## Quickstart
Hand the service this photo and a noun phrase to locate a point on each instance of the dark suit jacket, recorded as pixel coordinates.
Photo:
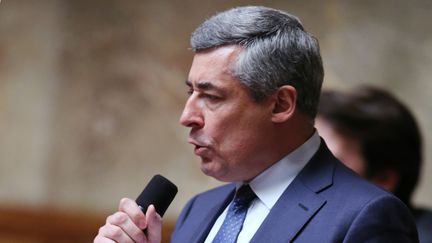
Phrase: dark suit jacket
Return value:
(326, 202)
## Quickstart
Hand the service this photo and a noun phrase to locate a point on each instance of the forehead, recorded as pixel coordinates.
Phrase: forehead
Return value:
(213, 65)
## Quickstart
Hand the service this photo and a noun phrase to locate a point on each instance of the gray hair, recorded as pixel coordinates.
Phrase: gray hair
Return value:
(276, 51)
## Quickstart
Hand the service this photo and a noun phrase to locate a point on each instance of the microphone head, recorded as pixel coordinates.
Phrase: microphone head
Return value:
(160, 192)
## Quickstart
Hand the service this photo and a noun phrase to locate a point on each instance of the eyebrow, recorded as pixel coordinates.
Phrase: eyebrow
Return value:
(204, 85)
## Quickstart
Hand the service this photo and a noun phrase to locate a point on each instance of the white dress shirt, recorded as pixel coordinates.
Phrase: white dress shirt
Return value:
(269, 186)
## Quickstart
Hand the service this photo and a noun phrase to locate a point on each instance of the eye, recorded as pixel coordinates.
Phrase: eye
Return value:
(190, 91)
(211, 97)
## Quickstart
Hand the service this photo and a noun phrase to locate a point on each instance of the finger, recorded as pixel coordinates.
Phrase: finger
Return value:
(114, 233)
(123, 221)
(132, 209)
(154, 225)
(101, 239)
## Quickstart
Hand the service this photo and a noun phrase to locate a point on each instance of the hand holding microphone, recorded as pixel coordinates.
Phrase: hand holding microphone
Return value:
(139, 221)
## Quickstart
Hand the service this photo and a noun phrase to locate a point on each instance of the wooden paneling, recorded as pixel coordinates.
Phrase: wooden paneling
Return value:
(47, 226)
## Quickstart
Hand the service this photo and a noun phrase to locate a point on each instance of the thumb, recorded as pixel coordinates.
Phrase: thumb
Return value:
(154, 225)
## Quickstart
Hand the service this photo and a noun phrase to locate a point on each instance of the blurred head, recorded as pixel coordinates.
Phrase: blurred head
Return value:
(376, 135)
(255, 71)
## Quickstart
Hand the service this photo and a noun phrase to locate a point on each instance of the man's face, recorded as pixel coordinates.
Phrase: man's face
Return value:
(347, 150)
(228, 129)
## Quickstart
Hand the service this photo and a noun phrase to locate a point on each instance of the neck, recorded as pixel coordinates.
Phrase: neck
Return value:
(294, 133)
(284, 139)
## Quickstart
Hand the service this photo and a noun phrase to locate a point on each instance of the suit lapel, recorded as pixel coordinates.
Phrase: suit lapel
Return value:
(300, 201)
(209, 217)
(297, 205)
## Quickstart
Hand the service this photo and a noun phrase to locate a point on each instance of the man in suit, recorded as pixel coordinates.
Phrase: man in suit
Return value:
(254, 88)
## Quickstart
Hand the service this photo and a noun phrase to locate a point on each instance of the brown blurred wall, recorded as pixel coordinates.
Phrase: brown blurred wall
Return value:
(91, 91)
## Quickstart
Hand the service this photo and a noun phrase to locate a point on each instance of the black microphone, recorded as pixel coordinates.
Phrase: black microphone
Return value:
(160, 192)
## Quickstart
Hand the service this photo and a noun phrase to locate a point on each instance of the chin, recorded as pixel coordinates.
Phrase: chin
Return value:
(216, 174)
(208, 172)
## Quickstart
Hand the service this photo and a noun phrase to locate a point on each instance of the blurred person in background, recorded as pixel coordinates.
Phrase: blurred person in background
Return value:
(375, 134)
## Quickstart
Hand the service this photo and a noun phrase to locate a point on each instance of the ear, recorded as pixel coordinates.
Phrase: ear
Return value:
(387, 180)
(284, 103)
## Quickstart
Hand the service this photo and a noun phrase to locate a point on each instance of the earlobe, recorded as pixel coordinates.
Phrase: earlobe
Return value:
(284, 103)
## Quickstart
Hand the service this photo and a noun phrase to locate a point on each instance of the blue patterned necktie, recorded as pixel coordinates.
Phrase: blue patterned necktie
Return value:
(233, 222)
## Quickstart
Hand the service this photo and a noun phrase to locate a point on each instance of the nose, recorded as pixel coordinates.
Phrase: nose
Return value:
(192, 115)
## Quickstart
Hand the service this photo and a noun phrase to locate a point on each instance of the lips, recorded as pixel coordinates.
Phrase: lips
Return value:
(200, 148)
(200, 151)
(197, 142)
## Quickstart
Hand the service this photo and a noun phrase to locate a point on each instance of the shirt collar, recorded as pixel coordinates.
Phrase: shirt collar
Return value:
(270, 184)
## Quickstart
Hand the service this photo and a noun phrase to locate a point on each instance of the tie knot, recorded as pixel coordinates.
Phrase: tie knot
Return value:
(244, 196)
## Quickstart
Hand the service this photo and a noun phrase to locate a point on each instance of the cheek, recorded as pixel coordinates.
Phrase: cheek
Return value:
(356, 163)
(238, 130)
(349, 153)
(240, 139)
